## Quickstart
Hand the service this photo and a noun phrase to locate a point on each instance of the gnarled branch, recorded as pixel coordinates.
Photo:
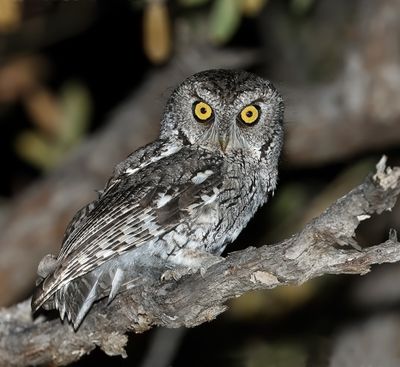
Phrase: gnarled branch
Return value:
(322, 247)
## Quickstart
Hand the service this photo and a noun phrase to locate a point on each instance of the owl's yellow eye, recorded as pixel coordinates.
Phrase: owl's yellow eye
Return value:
(202, 111)
(250, 114)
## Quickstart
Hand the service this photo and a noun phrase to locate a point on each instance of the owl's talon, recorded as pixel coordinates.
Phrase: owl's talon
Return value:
(208, 263)
(175, 274)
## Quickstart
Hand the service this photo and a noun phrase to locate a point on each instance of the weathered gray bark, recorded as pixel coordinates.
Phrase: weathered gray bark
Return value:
(324, 246)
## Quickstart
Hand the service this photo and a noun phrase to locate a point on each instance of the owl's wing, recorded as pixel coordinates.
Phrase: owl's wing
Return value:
(136, 159)
(130, 213)
(78, 218)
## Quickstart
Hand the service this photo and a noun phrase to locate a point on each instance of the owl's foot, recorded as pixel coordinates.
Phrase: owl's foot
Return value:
(175, 273)
(188, 261)
(209, 261)
(46, 266)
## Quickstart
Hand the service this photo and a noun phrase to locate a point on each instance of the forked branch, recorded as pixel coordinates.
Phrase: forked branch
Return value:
(325, 246)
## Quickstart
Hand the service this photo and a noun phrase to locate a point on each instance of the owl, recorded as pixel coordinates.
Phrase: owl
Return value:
(176, 203)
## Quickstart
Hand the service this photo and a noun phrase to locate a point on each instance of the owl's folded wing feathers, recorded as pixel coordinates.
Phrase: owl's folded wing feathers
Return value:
(130, 214)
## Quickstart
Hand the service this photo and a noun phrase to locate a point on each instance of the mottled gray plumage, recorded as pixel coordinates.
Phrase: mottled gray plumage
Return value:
(177, 202)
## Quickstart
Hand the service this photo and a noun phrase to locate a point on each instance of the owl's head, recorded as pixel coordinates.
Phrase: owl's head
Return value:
(227, 110)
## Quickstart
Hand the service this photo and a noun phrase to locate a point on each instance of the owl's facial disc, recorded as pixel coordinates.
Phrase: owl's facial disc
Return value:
(225, 125)
(227, 111)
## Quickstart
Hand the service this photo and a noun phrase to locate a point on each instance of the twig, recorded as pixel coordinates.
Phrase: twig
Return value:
(320, 248)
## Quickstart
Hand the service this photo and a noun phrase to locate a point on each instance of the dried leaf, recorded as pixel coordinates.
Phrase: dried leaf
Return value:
(225, 20)
(76, 107)
(10, 15)
(44, 110)
(62, 125)
(251, 8)
(19, 76)
(37, 150)
(157, 32)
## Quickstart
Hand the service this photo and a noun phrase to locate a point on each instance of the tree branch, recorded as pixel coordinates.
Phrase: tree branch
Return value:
(320, 248)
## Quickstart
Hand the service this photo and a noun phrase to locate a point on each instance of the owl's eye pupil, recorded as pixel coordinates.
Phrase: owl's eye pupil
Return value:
(249, 114)
(203, 110)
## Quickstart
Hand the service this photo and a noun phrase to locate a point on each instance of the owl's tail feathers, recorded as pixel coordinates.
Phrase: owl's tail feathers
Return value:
(43, 294)
(116, 283)
(75, 299)
(78, 298)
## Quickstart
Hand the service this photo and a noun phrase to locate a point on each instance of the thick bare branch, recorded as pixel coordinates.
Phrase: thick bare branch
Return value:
(324, 246)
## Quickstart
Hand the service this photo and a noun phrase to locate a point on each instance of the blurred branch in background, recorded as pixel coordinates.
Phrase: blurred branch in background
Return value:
(320, 248)
(358, 110)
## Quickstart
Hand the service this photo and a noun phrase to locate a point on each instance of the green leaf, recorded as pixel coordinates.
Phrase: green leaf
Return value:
(224, 20)
(76, 107)
(42, 152)
(37, 150)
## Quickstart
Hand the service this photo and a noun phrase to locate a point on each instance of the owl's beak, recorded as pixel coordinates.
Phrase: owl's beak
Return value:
(223, 142)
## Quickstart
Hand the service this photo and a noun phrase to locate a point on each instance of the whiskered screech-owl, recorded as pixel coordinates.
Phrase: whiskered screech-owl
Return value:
(177, 202)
